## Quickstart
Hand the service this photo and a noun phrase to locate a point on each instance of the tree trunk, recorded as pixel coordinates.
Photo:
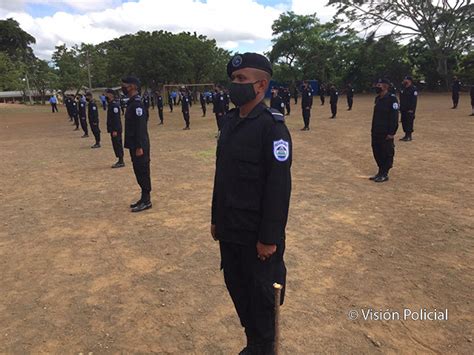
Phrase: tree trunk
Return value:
(443, 68)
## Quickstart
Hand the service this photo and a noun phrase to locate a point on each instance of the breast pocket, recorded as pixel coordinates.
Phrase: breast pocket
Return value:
(248, 163)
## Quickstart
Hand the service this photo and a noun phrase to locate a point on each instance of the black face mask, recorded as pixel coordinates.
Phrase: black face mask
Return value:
(240, 94)
(378, 90)
(125, 90)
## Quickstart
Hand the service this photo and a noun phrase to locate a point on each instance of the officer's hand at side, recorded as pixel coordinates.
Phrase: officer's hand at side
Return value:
(264, 251)
(114, 134)
(213, 231)
(139, 152)
(389, 136)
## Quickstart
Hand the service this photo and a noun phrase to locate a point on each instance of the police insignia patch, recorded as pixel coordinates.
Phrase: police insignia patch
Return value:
(115, 110)
(139, 111)
(415, 93)
(281, 150)
(395, 106)
(236, 61)
(94, 108)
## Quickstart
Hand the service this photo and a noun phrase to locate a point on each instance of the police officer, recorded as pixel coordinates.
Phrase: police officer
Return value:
(456, 88)
(218, 102)
(74, 112)
(202, 100)
(185, 104)
(306, 104)
(67, 103)
(83, 115)
(350, 96)
(295, 95)
(276, 101)
(322, 92)
(286, 100)
(408, 101)
(93, 114)
(170, 101)
(471, 92)
(159, 105)
(146, 103)
(137, 141)
(333, 98)
(114, 126)
(251, 198)
(384, 128)
(226, 101)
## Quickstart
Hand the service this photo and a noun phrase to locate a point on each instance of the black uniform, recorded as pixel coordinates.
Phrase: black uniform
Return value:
(295, 95)
(276, 102)
(226, 102)
(83, 116)
(252, 188)
(202, 100)
(218, 102)
(159, 104)
(408, 101)
(350, 97)
(334, 96)
(75, 113)
(146, 104)
(93, 114)
(67, 102)
(185, 104)
(286, 99)
(136, 136)
(456, 88)
(114, 124)
(384, 123)
(170, 102)
(306, 104)
(322, 92)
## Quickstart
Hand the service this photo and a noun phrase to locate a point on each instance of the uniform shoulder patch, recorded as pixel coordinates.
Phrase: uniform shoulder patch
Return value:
(116, 110)
(277, 115)
(395, 105)
(415, 93)
(281, 150)
(139, 111)
(94, 108)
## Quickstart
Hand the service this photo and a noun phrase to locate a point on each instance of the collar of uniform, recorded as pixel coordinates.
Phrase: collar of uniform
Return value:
(257, 110)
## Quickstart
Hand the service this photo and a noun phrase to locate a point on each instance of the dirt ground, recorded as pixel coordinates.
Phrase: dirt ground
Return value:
(79, 273)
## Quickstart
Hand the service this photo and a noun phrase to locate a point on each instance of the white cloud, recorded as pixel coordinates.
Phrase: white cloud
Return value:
(219, 19)
(307, 7)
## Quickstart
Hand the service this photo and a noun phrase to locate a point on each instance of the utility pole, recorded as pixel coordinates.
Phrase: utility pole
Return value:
(28, 88)
(89, 69)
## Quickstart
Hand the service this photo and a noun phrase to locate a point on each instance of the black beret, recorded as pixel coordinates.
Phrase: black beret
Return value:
(383, 81)
(131, 80)
(110, 91)
(408, 77)
(249, 60)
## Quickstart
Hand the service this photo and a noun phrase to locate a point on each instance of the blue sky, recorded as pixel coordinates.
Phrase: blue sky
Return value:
(237, 25)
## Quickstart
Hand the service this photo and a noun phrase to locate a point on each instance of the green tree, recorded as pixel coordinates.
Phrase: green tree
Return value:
(71, 75)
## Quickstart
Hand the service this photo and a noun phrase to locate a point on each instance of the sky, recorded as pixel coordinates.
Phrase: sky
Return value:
(236, 25)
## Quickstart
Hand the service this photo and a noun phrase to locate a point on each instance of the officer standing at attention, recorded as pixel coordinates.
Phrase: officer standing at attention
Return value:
(137, 141)
(251, 197)
(159, 104)
(75, 112)
(114, 126)
(295, 95)
(218, 102)
(146, 104)
(54, 104)
(185, 103)
(322, 92)
(202, 100)
(93, 114)
(408, 101)
(286, 100)
(67, 103)
(384, 128)
(333, 97)
(350, 96)
(83, 116)
(276, 101)
(170, 101)
(306, 104)
(456, 88)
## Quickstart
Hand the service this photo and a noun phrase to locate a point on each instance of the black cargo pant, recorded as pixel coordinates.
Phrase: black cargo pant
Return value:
(350, 102)
(250, 285)
(54, 108)
(76, 120)
(218, 120)
(384, 151)
(407, 121)
(160, 114)
(141, 168)
(117, 145)
(288, 107)
(334, 108)
(455, 97)
(306, 116)
(83, 122)
(321, 97)
(203, 106)
(95, 131)
(186, 117)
